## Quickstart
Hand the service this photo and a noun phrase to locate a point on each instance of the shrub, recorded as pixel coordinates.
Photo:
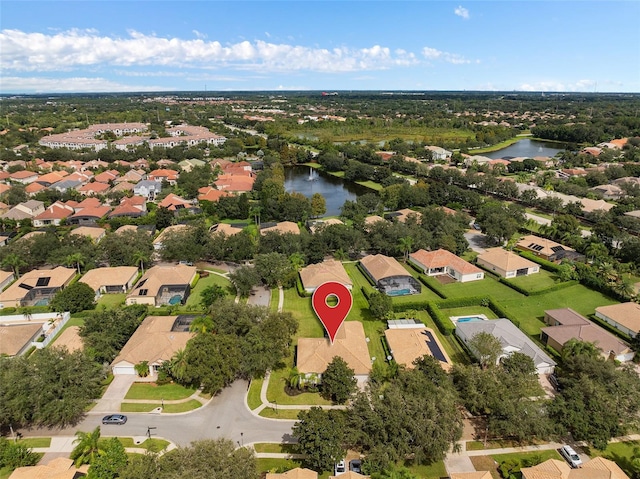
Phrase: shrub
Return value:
(547, 265)
(445, 325)
(142, 369)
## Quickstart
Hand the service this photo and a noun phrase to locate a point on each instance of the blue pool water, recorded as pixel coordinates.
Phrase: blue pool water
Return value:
(399, 292)
(41, 302)
(175, 299)
(469, 319)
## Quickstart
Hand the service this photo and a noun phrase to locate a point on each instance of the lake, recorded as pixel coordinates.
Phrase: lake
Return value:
(528, 149)
(335, 190)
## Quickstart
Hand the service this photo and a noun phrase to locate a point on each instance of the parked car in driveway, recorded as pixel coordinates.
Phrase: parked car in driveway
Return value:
(340, 468)
(571, 456)
(355, 465)
(114, 419)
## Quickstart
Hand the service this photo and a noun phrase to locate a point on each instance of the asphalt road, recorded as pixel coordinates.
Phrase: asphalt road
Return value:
(226, 416)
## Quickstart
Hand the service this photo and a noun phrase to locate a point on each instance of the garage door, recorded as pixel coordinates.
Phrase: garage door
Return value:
(123, 370)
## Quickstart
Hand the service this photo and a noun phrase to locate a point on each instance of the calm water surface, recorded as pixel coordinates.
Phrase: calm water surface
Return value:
(335, 190)
(528, 149)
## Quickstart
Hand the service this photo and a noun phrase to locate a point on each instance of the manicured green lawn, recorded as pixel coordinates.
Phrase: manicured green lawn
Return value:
(486, 287)
(253, 396)
(280, 413)
(36, 441)
(153, 445)
(273, 447)
(168, 408)
(309, 325)
(111, 301)
(275, 391)
(137, 407)
(152, 391)
(360, 309)
(193, 301)
(271, 465)
(535, 282)
(541, 455)
(275, 295)
(432, 471)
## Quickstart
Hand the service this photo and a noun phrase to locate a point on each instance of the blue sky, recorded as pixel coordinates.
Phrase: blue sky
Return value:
(121, 46)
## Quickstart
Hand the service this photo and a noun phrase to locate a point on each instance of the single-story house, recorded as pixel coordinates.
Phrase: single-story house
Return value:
(624, 317)
(596, 468)
(227, 229)
(53, 215)
(281, 228)
(36, 287)
(297, 473)
(169, 230)
(506, 264)
(389, 276)
(512, 339)
(545, 248)
(404, 214)
(371, 220)
(409, 340)
(314, 225)
(163, 285)
(17, 338)
(6, 278)
(471, 475)
(315, 354)
(156, 340)
(314, 275)
(117, 279)
(58, 468)
(441, 261)
(93, 232)
(565, 324)
(89, 215)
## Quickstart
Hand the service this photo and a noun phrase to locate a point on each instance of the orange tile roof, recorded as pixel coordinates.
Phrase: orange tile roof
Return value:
(442, 258)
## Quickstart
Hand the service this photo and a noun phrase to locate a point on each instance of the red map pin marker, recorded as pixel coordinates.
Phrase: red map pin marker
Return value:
(332, 317)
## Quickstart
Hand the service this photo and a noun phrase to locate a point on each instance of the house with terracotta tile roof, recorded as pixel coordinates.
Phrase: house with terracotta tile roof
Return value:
(89, 216)
(174, 202)
(315, 354)
(235, 183)
(297, 473)
(314, 275)
(624, 317)
(32, 188)
(404, 214)
(441, 261)
(23, 176)
(36, 287)
(162, 285)
(93, 188)
(134, 207)
(58, 468)
(209, 193)
(282, 228)
(107, 176)
(171, 176)
(389, 276)
(110, 280)
(156, 340)
(53, 215)
(565, 324)
(409, 340)
(51, 178)
(506, 264)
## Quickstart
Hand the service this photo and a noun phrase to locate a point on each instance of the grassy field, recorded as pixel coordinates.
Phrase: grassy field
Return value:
(111, 301)
(36, 441)
(377, 133)
(535, 282)
(193, 301)
(619, 452)
(273, 447)
(168, 392)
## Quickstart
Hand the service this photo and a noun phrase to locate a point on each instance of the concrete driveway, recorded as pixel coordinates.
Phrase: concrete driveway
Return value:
(260, 296)
(114, 395)
(476, 240)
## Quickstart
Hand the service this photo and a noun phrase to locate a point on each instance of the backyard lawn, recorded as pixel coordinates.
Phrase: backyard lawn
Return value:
(193, 301)
(111, 301)
(535, 282)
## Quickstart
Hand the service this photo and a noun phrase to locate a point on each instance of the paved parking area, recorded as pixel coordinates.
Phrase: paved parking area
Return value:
(260, 296)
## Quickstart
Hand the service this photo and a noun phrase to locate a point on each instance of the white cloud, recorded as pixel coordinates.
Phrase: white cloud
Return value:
(577, 86)
(462, 12)
(72, 49)
(73, 84)
(199, 34)
(435, 54)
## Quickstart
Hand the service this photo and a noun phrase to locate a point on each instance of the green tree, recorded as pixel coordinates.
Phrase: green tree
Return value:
(87, 448)
(164, 218)
(380, 305)
(104, 333)
(74, 298)
(486, 347)
(500, 221)
(213, 361)
(338, 381)
(14, 262)
(318, 205)
(211, 294)
(275, 269)
(244, 279)
(140, 258)
(75, 259)
(15, 454)
(406, 244)
(320, 436)
(109, 464)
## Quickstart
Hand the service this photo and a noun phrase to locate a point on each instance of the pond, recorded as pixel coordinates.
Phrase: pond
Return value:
(528, 149)
(308, 181)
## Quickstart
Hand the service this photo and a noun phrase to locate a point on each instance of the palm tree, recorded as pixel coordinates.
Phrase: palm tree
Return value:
(15, 262)
(406, 244)
(201, 324)
(596, 250)
(87, 447)
(76, 259)
(179, 365)
(297, 261)
(294, 380)
(140, 258)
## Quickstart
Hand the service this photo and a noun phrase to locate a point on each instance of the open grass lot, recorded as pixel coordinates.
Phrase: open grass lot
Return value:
(486, 287)
(619, 452)
(536, 282)
(193, 301)
(111, 301)
(376, 133)
(432, 471)
(275, 391)
(168, 392)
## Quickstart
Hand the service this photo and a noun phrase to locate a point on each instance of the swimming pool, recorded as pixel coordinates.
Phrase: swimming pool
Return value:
(399, 292)
(175, 299)
(468, 319)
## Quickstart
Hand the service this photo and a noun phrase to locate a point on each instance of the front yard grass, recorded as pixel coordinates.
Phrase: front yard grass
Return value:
(432, 471)
(273, 447)
(619, 452)
(168, 408)
(253, 396)
(167, 392)
(538, 456)
(280, 413)
(151, 445)
(36, 441)
(277, 395)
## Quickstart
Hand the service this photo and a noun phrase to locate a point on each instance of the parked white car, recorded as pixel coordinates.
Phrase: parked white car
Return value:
(340, 468)
(571, 456)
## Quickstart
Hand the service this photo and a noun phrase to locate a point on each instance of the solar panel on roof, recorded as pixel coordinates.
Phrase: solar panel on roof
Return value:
(43, 281)
(555, 249)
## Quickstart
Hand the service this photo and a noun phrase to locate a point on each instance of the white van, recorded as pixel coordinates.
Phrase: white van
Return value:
(571, 456)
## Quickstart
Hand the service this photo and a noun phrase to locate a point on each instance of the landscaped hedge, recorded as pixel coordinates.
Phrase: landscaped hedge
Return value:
(460, 302)
(401, 307)
(547, 265)
(555, 287)
(433, 285)
(501, 312)
(445, 325)
(366, 293)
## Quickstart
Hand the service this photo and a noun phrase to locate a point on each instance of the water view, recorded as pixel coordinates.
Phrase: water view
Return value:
(528, 148)
(308, 181)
